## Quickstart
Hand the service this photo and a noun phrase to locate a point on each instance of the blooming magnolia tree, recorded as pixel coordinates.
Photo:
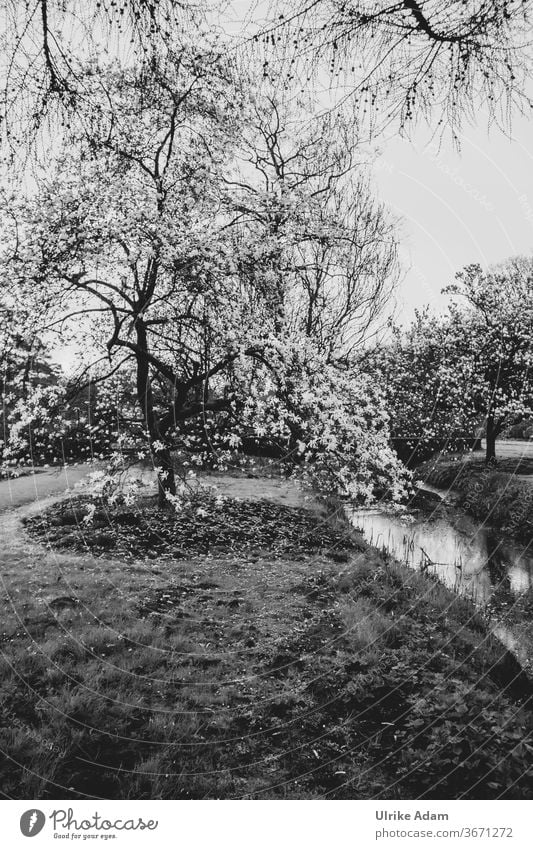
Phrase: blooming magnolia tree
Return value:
(330, 421)
(427, 394)
(445, 376)
(491, 326)
(137, 247)
(123, 236)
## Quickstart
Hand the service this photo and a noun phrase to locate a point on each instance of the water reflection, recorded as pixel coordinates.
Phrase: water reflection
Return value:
(474, 561)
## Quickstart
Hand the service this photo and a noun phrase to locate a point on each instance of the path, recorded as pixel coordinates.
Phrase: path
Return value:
(37, 487)
(514, 449)
(510, 455)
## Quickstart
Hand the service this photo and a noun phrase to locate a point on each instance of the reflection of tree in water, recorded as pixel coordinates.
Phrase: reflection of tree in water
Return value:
(491, 571)
(511, 573)
(474, 562)
(497, 563)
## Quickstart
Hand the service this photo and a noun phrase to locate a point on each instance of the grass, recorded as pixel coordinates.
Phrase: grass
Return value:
(315, 670)
(493, 495)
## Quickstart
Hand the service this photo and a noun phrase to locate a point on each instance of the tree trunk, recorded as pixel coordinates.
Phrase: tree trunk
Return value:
(490, 438)
(166, 480)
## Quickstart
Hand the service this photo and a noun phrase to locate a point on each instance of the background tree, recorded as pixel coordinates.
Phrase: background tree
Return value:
(491, 326)
(347, 274)
(27, 372)
(446, 375)
(327, 246)
(427, 394)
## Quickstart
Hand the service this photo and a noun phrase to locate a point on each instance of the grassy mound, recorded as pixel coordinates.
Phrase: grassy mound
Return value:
(494, 496)
(206, 524)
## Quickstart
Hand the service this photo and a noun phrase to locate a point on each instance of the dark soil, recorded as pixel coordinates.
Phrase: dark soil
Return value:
(203, 526)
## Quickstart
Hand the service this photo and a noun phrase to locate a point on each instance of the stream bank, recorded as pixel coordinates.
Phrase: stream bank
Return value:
(433, 535)
(499, 496)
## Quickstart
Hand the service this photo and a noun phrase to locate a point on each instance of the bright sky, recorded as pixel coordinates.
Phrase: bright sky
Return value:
(475, 205)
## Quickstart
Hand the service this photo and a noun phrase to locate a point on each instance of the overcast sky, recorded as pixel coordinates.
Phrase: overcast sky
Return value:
(457, 207)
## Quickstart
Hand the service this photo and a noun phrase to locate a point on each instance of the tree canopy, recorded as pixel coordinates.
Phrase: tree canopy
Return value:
(446, 376)
(390, 62)
(397, 62)
(427, 394)
(491, 323)
(182, 266)
(206, 245)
